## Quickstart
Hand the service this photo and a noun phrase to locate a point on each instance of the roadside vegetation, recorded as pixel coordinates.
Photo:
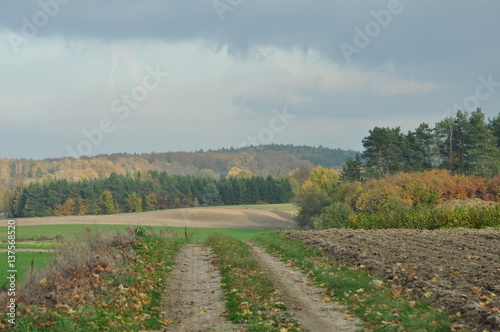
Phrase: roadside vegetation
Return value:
(112, 282)
(381, 307)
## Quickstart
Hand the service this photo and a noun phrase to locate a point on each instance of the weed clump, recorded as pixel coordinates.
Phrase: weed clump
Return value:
(93, 256)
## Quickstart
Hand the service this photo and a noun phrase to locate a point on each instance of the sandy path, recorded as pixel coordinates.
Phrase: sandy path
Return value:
(303, 299)
(195, 300)
(191, 217)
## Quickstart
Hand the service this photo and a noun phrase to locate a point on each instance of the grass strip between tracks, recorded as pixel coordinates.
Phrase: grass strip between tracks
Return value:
(251, 296)
(381, 307)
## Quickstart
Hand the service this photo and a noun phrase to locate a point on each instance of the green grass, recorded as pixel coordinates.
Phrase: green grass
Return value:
(251, 296)
(23, 264)
(382, 308)
(70, 232)
(240, 234)
(34, 245)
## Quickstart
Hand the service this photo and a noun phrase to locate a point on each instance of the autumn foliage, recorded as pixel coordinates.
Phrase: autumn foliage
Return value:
(406, 200)
(416, 190)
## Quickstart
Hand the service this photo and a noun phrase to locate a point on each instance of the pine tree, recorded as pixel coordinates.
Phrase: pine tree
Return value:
(420, 148)
(384, 150)
(352, 169)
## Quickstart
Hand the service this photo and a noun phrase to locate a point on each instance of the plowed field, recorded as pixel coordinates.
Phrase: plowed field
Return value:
(458, 270)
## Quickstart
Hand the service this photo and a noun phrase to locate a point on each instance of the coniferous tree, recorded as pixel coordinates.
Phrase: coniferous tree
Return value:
(352, 169)
(495, 129)
(384, 149)
(444, 133)
(210, 195)
(420, 148)
(482, 155)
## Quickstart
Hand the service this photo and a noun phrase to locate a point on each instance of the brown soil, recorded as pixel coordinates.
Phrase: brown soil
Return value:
(458, 270)
(304, 300)
(195, 301)
(192, 217)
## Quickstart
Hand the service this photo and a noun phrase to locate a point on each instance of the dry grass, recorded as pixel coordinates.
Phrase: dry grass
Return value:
(236, 217)
(93, 256)
(459, 203)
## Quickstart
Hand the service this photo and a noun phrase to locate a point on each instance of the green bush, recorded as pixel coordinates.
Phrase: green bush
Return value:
(466, 217)
(333, 216)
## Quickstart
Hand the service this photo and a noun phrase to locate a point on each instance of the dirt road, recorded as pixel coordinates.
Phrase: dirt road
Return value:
(192, 217)
(304, 300)
(195, 301)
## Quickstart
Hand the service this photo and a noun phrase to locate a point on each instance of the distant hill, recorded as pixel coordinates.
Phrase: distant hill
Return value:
(316, 155)
(274, 160)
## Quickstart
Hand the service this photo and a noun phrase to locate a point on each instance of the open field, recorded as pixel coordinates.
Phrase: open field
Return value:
(219, 217)
(23, 263)
(457, 270)
(240, 222)
(287, 207)
(72, 232)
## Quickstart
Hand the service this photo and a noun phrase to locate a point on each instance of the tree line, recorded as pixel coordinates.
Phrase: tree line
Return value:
(149, 191)
(462, 144)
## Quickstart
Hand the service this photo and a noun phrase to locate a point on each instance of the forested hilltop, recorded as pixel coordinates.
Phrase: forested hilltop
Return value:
(275, 160)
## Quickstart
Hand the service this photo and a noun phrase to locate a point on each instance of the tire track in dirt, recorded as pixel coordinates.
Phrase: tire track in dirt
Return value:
(303, 299)
(195, 300)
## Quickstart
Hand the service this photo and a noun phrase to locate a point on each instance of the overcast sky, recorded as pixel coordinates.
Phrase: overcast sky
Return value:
(89, 77)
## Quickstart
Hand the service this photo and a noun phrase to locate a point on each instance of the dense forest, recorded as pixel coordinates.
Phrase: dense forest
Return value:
(144, 192)
(463, 144)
